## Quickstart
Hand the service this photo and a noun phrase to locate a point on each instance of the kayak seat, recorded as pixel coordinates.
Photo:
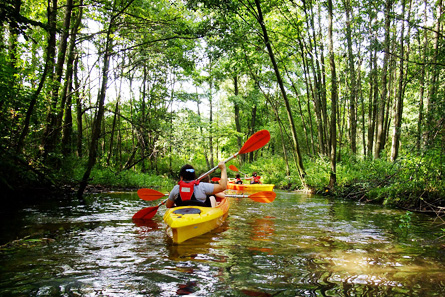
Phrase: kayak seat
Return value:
(187, 211)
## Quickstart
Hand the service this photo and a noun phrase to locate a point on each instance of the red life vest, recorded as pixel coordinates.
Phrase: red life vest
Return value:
(238, 181)
(186, 189)
(256, 179)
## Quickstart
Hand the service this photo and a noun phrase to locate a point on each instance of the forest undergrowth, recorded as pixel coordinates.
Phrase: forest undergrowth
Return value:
(414, 182)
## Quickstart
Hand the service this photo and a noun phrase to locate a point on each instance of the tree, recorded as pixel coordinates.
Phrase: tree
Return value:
(267, 42)
(381, 132)
(111, 27)
(334, 99)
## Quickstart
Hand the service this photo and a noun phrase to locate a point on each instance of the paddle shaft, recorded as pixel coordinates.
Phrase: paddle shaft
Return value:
(216, 167)
(256, 141)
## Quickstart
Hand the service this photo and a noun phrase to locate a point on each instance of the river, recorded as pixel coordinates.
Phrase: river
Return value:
(299, 245)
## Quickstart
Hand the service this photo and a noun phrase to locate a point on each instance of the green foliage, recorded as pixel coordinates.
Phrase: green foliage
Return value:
(414, 180)
(126, 179)
(272, 171)
(155, 128)
(318, 171)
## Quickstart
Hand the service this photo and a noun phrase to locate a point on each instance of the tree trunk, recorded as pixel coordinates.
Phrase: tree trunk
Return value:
(68, 121)
(316, 86)
(308, 91)
(299, 162)
(323, 87)
(398, 112)
(52, 129)
(212, 163)
(68, 88)
(47, 71)
(419, 136)
(237, 115)
(380, 137)
(113, 131)
(79, 111)
(334, 99)
(252, 128)
(202, 135)
(101, 102)
(374, 99)
(353, 89)
(431, 104)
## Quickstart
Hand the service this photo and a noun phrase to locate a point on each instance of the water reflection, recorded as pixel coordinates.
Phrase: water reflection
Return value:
(299, 245)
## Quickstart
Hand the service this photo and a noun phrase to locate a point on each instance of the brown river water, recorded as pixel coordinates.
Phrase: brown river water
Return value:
(299, 245)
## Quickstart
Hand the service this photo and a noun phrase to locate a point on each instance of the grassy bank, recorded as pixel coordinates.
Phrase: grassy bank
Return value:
(413, 182)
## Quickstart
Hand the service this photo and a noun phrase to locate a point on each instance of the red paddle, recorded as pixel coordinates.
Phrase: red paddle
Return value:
(233, 168)
(256, 141)
(149, 194)
(147, 213)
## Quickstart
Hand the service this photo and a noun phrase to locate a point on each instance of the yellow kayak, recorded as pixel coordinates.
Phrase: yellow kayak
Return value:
(185, 222)
(250, 187)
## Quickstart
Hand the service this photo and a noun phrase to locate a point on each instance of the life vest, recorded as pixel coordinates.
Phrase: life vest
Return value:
(256, 180)
(186, 189)
(186, 195)
(238, 181)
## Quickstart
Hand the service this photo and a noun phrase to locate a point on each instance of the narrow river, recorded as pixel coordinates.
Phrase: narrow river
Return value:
(299, 245)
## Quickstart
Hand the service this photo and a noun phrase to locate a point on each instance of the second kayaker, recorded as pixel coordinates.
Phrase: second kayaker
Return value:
(190, 192)
(238, 179)
(254, 179)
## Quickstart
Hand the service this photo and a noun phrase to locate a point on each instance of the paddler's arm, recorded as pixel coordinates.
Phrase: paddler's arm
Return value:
(222, 185)
(171, 200)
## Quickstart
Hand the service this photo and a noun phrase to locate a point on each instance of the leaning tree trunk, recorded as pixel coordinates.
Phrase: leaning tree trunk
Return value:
(299, 161)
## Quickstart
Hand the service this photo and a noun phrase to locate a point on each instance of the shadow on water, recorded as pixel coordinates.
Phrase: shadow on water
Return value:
(299, 245)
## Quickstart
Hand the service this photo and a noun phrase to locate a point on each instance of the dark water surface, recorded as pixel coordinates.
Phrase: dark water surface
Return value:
(299, 245)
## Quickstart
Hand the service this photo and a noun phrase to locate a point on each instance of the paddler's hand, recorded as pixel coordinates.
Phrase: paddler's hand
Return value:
(221, 165)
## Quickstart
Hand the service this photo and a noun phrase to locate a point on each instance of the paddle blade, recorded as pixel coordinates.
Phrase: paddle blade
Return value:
(149, 194)
(256, 141)
(264, 197)
(233, 167)
(146, 213)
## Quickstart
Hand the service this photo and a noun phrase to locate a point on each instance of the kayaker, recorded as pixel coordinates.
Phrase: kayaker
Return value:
(238, 179)
(189, 191)
(255, 179)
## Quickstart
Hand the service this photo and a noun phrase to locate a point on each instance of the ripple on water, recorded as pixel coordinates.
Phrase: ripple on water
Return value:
(299, 245)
